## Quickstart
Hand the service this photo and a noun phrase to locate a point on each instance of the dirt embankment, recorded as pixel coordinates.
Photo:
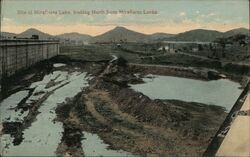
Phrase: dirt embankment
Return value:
(131, 121)
(123, 118)
(187, 72)
(185, 122)
(236, 73)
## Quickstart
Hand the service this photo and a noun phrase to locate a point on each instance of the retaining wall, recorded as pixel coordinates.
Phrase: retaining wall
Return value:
(16, 55)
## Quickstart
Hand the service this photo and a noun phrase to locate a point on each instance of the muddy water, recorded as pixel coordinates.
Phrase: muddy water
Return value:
(44, 135)
(57, 65)
(94, 146)
(221, 92)
(8, 112)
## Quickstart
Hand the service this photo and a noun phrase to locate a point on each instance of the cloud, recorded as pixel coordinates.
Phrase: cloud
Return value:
(59, 18)
(7, 21)
(182, 14)
(112, 17)
(211, 14)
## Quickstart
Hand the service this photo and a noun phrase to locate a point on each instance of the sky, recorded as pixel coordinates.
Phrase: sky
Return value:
(95, 17)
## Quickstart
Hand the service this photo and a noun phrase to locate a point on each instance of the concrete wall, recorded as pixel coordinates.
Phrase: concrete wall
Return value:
(16, 55)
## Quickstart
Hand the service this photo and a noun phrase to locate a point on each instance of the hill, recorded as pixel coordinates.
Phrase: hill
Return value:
(8, 35)
(197, 35)
(28, 33)
(119, 34)
(236, 31)
(74, 36)
(159, 36)
(122, 34)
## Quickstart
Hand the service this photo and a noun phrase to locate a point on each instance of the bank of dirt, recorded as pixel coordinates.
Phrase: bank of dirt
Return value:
(121, 117)
(131, 121)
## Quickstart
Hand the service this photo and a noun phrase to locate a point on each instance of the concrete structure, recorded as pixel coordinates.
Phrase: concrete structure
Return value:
(19, 54)
(237, 140)
(233, 138)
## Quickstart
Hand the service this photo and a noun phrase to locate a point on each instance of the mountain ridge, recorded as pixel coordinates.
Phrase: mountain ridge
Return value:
(32, 31)
(122, 34)
(74, 36)
(119, 34)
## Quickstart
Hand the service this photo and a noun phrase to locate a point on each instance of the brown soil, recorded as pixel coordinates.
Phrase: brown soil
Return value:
(123, 118)
(133, 122)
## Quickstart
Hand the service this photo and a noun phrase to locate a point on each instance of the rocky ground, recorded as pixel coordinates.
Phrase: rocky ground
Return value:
(123, 118)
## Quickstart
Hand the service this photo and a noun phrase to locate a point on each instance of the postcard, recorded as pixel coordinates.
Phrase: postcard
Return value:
(153, 78)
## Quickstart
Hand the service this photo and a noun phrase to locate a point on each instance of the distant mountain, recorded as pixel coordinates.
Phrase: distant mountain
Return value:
(233, 32)
(119, 34)
(197, 35)
(8, 35)
(74, 36)
(159, 36)
(28, 33)
(207, 35)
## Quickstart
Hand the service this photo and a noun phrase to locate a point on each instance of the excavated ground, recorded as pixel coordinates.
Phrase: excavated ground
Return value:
(123, 118)
(131, 121)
